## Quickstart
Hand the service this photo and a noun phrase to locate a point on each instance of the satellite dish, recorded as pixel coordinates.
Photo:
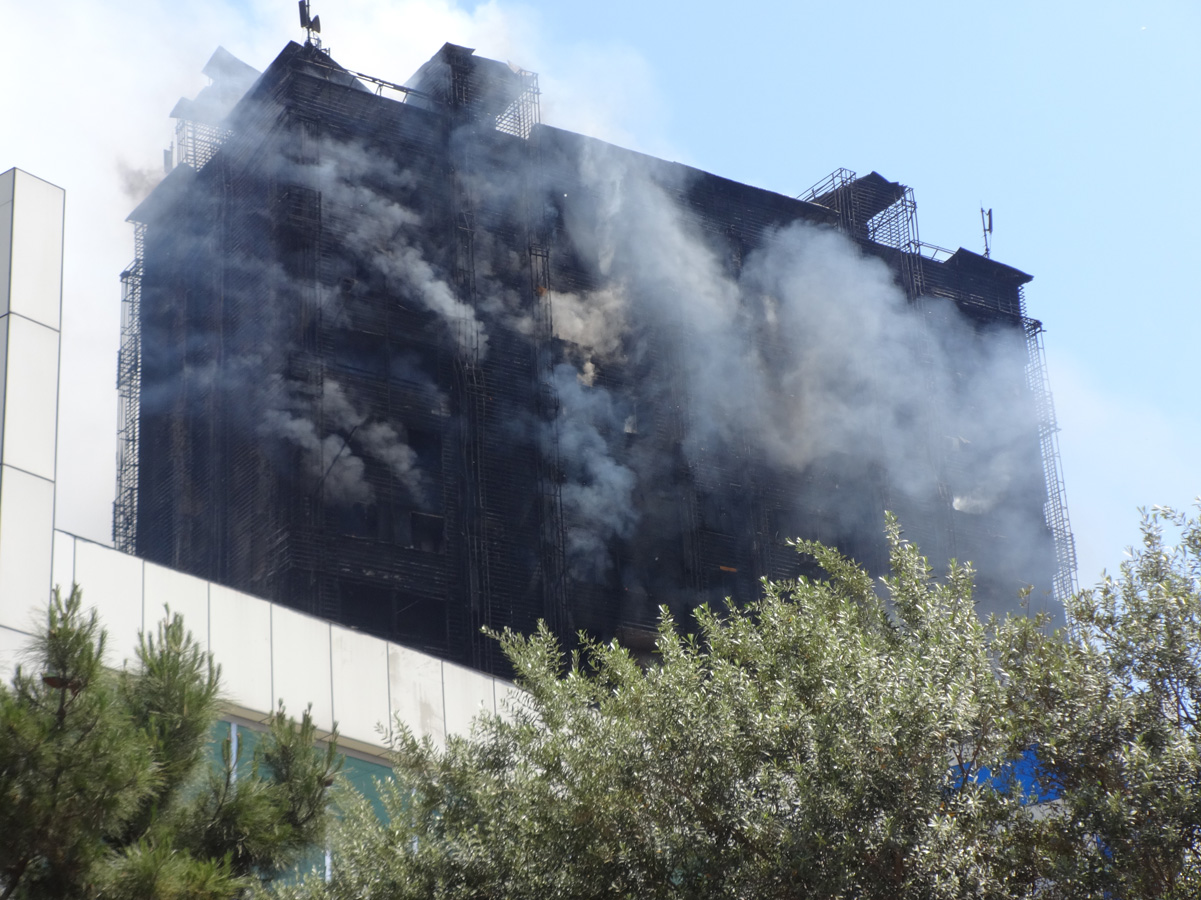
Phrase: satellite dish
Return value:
(316, 24)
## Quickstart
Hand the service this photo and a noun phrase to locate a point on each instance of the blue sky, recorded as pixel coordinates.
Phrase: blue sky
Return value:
(1078, 123)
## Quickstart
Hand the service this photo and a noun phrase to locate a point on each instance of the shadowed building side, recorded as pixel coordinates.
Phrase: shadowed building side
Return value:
(422, 365)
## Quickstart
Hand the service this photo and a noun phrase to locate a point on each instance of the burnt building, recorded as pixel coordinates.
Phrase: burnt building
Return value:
(408, 359)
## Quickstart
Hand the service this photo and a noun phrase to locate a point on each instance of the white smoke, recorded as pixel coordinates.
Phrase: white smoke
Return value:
(810, 354)
(328, 453)
(358, 189)
(598, 491)
(378, 439)
(329, 461)
(595, 322)
(810, 351)
(849, 377)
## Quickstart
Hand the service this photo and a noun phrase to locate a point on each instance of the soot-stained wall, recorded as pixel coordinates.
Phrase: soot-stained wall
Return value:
(420, 375)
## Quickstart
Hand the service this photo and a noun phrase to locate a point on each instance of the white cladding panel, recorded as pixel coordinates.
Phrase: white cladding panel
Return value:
(30, 396)
(26, 547)
(468, 693)
(240, 641)
(62, 573)
(14, 647)
(3, 372)
(6, 235)
(415, 690)
(111, 582)
(184, 594)
(35, 279)
(360, 683)
(508, 698)
(301, 664)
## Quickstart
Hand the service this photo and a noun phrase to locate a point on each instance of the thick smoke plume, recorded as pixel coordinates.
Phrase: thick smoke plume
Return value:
(804, 353)
(598, 491)
(329, 453)
(328, 459)
(363, 191)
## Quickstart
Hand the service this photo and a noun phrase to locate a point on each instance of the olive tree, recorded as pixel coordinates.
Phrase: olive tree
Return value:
(837, 738)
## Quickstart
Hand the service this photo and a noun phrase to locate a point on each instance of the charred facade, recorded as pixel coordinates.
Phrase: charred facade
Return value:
(407, 359)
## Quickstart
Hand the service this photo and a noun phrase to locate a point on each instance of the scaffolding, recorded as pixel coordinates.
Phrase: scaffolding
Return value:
(552, 538)
(487, 544)
(473, 393)
(833, 192)
(196, 142)
(520, 116)
(129, 394)
(473, 406)
(1056, 507)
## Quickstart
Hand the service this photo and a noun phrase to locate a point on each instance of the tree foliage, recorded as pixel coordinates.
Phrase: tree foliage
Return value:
(830, 740)
(1113, 707)
(105, 786)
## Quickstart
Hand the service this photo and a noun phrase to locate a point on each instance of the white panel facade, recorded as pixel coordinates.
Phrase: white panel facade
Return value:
(26, 546)
(30, 397)
(3, 365)
(240, 641)
(6, 234)
(508, 697)
(184, 594)
(360, 683)
(112, 585)
(13, 648)
(300, 662)
(62, 573)
(37, 249)
(30, 295)
(468, 693)
(415, 689)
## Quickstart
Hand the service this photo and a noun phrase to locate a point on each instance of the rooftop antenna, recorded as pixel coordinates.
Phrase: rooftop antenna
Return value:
(311, 24)
(986, 222)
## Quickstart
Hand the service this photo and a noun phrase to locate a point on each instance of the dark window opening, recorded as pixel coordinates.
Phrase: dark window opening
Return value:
(395, 526)
(421, 620)
(412, 365)
(427, 533)
(359, 352)
(428, 447)
(367, 608)
(358, 520)
(715, 517)
(786, 525)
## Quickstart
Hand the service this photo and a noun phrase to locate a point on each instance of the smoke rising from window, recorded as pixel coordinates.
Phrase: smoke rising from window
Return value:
(803, 352)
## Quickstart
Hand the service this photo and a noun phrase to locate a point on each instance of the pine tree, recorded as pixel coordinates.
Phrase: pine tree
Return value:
(105, 785)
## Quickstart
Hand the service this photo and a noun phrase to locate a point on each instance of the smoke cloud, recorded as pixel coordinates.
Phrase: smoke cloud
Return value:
(330, 457)
(380, 440)
(595, 322)
(808, 353)
(360, 190)
(597, 492)
(327, 459)
(805, 353)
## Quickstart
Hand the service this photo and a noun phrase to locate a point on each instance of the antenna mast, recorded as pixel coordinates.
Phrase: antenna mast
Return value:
(311, 24)
(986, 223)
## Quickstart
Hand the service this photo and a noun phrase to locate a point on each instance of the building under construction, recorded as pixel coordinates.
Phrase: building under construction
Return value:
(408, 359)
